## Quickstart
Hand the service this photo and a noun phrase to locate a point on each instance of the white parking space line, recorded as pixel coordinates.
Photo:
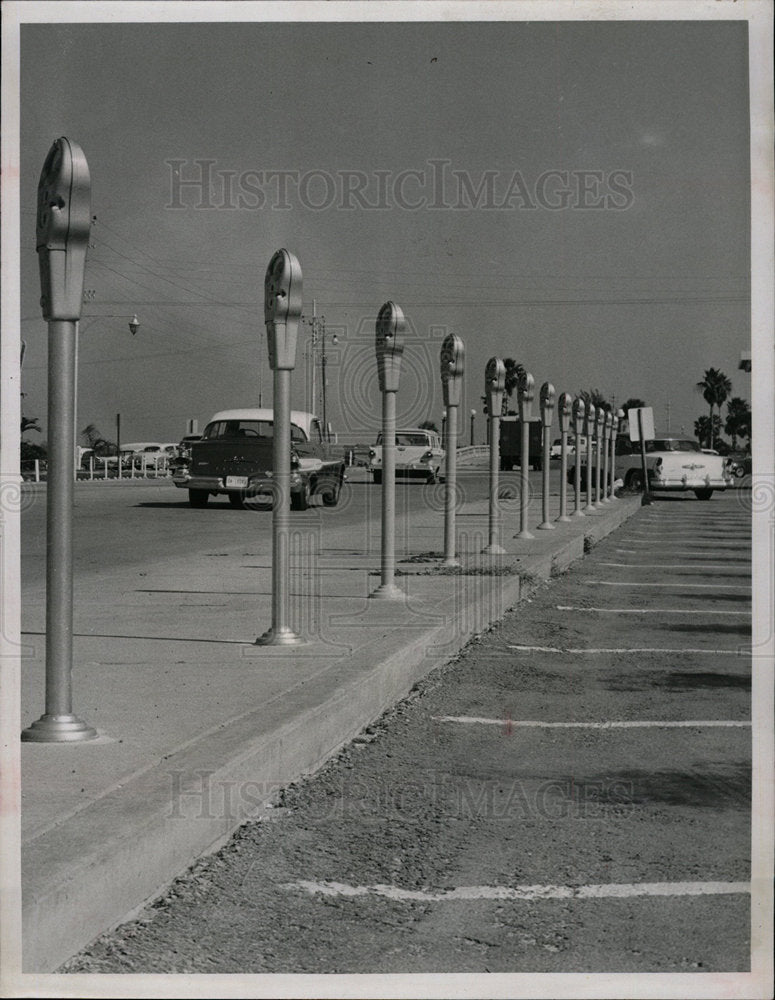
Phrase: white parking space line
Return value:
(660, 566)
(683, 586)
(624, 724)
(615, 890)
(631, 649)
(653, 611)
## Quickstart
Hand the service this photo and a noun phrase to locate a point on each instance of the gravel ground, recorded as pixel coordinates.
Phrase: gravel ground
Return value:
(427, 805)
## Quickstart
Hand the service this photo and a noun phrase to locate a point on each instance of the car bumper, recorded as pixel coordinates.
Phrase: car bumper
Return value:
(215, 484)
(679, 484)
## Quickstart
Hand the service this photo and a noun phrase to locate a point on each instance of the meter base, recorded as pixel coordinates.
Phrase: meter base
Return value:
(545, 526)
(58, 729)
(279, 637)
(524, 534)
(578, 513)
(451, 562)
(388, 592)
(493, 549)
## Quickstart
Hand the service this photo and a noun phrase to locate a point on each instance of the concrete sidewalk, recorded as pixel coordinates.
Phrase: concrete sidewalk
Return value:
(199, 728)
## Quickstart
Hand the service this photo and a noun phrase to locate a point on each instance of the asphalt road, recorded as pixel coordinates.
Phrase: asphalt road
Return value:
(570, 794)
(137, 521)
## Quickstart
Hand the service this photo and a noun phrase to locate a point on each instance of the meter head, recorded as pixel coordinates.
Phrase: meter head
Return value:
(452, 357)
(62, 229)
(389, 345)
(282, 309)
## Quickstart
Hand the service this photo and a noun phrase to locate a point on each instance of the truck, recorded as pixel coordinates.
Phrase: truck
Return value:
(511, 442)
(234, 458)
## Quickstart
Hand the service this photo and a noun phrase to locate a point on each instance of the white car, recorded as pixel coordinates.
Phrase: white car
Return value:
(419, 455)
(673, 464)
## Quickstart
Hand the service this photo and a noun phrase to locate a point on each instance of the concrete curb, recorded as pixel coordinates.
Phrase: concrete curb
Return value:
(88, 872)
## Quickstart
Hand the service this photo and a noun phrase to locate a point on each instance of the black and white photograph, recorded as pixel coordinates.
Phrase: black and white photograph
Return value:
(387, 499)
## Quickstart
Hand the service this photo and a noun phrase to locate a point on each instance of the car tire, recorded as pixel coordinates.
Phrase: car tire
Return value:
(330, 494)
(377, 477)
(237, 501)
(634, 480)
(739, 472)
(703, 494)
(301, 500)
(433, 477)
(198, 498)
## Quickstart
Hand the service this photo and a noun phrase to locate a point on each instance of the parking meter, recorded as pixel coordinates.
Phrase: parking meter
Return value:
(452, 364)
(525, 394)
(494, 389)
(389, 346)
(616, 423)
(282, 309)
(564, 407)
(579, 423)
(61, 238)
(599, 425)
(607, 457)
(451, 358)
(62, 230)
(494, 386)
(589, 426)
(390, 331)
(547, 411)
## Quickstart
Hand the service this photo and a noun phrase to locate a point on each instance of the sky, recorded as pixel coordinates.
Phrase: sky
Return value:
(574, 195)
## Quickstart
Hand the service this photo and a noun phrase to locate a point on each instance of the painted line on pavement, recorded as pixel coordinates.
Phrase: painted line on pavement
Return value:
(652, 611)
(661, 566)
(631, 649)
(626, 890)
(684, 586)
(624, 724)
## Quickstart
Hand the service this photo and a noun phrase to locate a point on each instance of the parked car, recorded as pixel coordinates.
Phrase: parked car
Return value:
(673, 464)
(741, 464)
(234, 458)
(418, 455)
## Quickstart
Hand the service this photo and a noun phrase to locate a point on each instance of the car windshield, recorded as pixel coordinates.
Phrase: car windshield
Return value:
(672, 444)
(408, 440)
(219, 429)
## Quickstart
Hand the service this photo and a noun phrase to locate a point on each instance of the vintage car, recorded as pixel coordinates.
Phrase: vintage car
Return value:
(418, 455)
(233, 457)
(673, 464)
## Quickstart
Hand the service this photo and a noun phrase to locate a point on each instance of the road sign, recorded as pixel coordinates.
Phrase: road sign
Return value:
(646, 421)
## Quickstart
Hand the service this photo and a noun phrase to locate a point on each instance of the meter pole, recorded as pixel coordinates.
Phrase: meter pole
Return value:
(282, 310)
(524, 402)
(494, 387)
(590, 427)
(452, 360)
(547, 408)
(564, 412)
(579, 409)
(389, 348)
(62, 235)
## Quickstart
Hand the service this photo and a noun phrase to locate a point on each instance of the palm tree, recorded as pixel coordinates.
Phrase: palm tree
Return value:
(515, 372)
(715, 387)
(30, 424)
(738, 420)
(633, 403)
(596, 398)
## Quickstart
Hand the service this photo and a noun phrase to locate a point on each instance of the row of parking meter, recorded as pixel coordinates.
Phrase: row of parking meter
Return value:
(62, 234)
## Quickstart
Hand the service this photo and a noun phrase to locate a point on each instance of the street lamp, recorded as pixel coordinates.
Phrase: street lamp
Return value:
(134, 326)
(473, 416)
(334, 340)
